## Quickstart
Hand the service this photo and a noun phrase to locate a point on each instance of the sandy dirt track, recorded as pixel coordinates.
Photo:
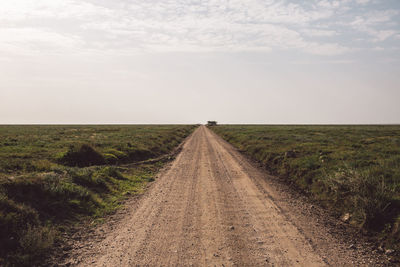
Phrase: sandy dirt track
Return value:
(212, 207)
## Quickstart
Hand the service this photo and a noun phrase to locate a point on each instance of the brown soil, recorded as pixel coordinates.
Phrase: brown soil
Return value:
(212, 207)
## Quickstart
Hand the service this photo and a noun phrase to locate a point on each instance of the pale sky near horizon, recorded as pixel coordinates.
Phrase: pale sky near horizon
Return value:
(163, 61)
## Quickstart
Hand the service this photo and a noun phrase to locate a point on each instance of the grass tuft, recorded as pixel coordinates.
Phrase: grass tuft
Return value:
(37, 240)
(367, 196)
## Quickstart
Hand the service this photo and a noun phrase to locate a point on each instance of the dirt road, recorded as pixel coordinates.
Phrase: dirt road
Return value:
(212, 207)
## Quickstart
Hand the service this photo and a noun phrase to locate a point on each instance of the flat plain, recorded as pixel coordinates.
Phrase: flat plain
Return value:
(182, 195)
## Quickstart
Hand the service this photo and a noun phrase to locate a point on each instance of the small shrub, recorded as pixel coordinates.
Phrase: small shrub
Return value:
(110, 158)
(42, 165)
(116, 153)
(110, 172)
(369, 196)
(13, 217)
(36, 240)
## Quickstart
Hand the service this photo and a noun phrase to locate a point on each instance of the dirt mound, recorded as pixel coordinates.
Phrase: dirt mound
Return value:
(81, 156)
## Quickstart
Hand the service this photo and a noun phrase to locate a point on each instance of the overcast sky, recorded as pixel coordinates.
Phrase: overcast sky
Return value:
(234, 61)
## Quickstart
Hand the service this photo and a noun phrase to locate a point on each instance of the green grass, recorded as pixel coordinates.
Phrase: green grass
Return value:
(29, 148)
(52, 177)
(352, 170)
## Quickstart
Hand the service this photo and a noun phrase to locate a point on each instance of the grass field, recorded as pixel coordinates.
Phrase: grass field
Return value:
(353, 170)
(52, 177)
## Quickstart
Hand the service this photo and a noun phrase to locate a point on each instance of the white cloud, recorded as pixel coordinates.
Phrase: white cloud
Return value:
(374, 24)
(42, 9)
(330, 49)
(209, 25)
(314, 62)
(382, 35)
(216, 25)
(17, 40)
(362, 2)
(378, 48)
(318, 32)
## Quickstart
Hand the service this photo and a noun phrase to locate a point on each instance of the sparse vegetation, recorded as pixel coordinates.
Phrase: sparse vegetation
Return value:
(54, 176)
(353, 170)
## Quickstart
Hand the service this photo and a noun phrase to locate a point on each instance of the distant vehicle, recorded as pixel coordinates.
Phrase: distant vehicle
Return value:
(211, 123)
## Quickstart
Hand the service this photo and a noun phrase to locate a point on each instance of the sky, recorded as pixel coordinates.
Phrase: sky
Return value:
(233, 61)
